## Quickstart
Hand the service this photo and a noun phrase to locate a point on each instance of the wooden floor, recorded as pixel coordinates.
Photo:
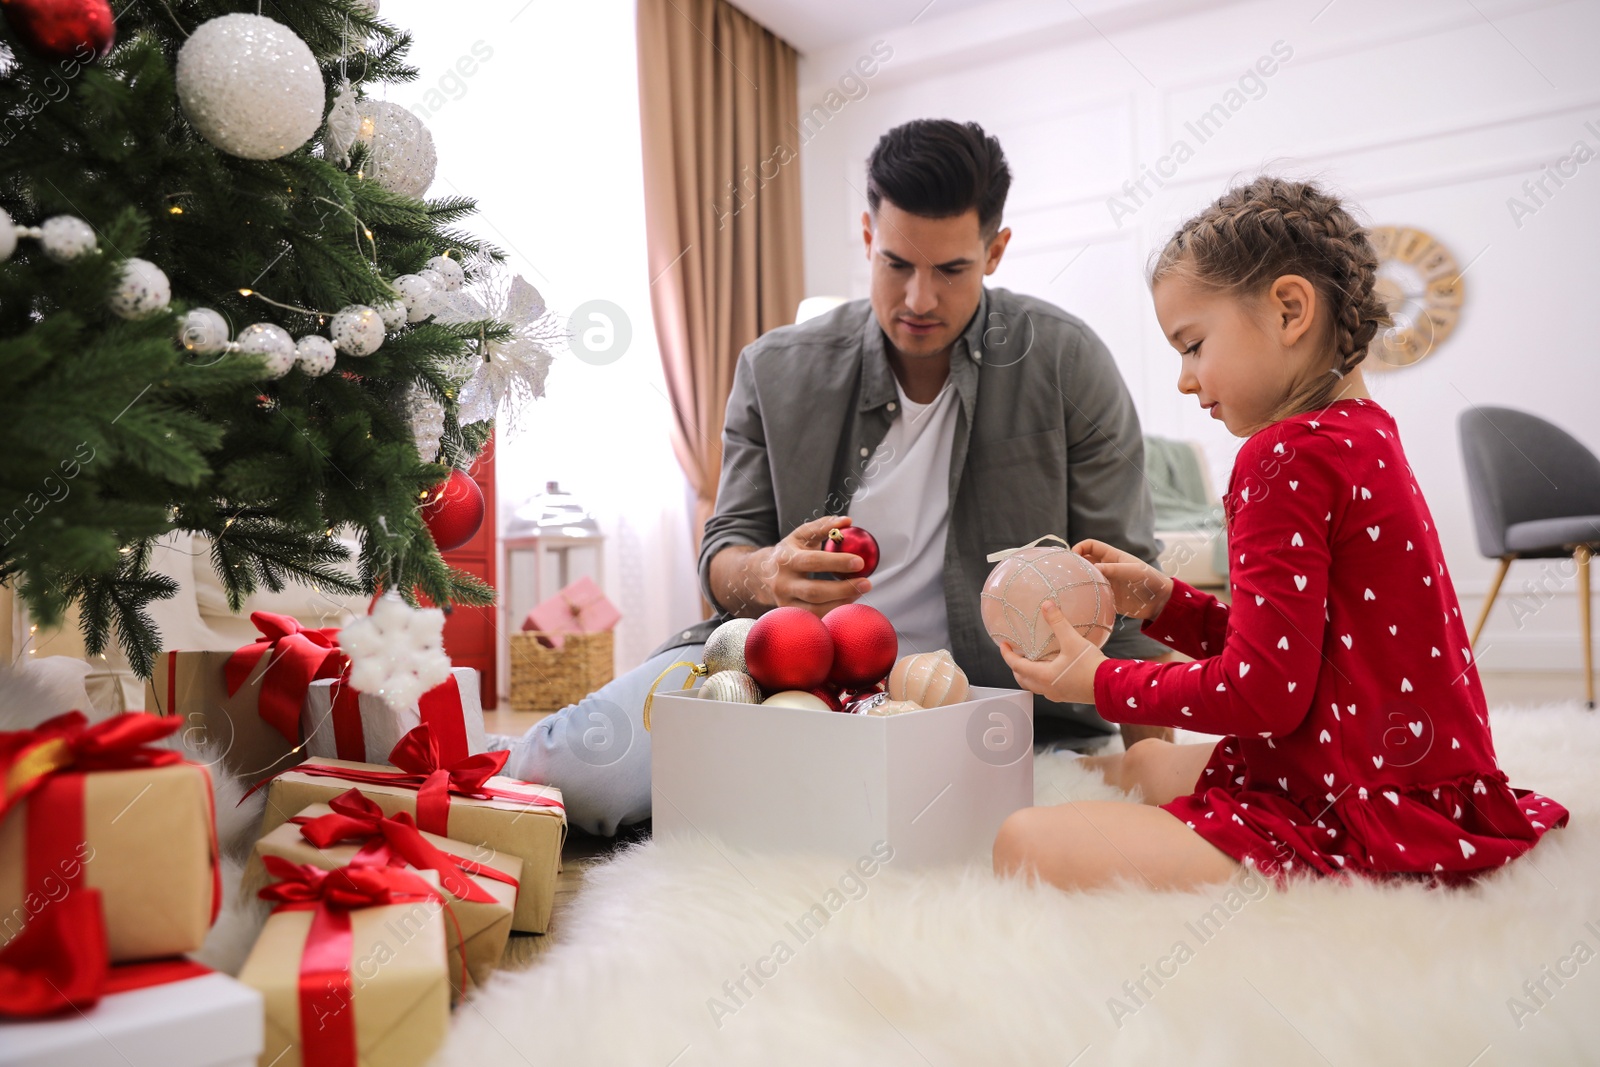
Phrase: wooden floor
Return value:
(584, 851)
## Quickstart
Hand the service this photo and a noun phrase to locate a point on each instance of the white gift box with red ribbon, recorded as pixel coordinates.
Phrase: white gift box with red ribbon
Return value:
(934, 784)
(340, 722)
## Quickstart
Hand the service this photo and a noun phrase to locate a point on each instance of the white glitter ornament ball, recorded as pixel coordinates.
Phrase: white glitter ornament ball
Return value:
(203, 332)
(250, 86)
(403, 158)
(314, 354)
(8, 236)
(272, 343)
(393, 313)
(357, 330)
(417, 293)
(66, 237)
(451, 276)
(367, 7)
(142, 291)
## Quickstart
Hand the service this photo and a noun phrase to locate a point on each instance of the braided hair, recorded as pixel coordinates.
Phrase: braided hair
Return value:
(1260, 231)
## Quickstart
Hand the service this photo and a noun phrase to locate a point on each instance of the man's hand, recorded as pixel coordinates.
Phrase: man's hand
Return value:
(749, 581)
(1138, 590)
(1068, 676)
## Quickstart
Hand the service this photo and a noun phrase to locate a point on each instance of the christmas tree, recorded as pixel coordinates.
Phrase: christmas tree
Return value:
(249, 337)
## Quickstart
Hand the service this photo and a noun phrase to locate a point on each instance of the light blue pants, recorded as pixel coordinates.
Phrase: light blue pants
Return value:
(597, 751)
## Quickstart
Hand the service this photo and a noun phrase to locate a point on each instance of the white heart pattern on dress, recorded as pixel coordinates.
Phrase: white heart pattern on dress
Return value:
(1294, 484)
(1244, 669)
(1467, 847)
(1416, 729)
(1377, 761)
(1392, 797)
(1346, 639)
(1372, 532)
(1300, 582)
(1328, 778)
(1283, 642)
(1368, 595)
(1283, 783)
(1297, 541)
(1324, 737)
(1405, 685)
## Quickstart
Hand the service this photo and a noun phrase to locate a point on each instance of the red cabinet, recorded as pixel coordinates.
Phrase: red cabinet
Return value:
(469, 633)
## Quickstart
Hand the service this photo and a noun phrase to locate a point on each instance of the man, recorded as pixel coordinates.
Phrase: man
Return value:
(948, 419)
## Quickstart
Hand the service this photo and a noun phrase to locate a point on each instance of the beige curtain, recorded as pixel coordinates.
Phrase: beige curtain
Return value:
(719, 109)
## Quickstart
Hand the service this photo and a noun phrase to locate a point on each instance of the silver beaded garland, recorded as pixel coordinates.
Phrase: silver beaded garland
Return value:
(451, 276)
(143, 290)
(66, 237)
(733, 686)
(357, 330)
(724, 649)
(250, 86)
(417, 293)
(393, 313)
(315, 355)
(203, 332)
(272, 343)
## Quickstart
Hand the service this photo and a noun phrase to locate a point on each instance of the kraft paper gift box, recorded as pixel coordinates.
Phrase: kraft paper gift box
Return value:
(339, 722)
(143, 836)
(576, 608)
(196, 1019)
(485, 926)
(530, 828)
(381, 998)
(934, 785)
(192, 687)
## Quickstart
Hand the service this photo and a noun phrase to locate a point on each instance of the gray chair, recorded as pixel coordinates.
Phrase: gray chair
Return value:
(1535, 493)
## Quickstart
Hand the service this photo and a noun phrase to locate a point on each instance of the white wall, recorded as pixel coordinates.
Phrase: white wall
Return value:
(1428, 113)
(545, 134)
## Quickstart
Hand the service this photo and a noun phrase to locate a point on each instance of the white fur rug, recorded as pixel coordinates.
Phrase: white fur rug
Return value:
(959, 968)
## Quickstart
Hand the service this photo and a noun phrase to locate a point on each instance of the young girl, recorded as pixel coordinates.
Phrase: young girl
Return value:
(1357, 737)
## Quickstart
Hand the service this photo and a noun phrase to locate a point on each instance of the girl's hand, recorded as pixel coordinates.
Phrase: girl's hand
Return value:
(1138, 590)
(1068, 676)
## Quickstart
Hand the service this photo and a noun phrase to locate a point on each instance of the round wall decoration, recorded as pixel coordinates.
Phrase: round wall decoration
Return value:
(1421, 283)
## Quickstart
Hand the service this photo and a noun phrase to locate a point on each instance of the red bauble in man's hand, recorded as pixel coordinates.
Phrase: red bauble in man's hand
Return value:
(864, 645)
(856, 542)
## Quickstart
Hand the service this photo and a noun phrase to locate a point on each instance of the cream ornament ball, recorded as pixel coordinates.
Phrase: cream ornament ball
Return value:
(735, 687)
(66, 238)
(142, 291)
(250, 86)
(931, 679)
(451, 276)
(315, 355)
(357, 330)
(203, 332)
(272, 343)
(796, 698)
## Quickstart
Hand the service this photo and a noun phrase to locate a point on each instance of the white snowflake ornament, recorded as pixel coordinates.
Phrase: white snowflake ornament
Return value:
(396, 652)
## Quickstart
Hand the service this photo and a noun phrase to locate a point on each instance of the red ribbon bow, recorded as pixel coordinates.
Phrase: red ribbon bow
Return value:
(300, 656)
(67, 742)
(394, 841)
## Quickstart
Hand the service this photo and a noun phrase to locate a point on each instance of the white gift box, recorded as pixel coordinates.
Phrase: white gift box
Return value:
(209, 1021)
(934, 784)
(382, 725)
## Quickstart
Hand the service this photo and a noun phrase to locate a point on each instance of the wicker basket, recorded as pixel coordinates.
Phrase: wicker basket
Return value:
(548, 679)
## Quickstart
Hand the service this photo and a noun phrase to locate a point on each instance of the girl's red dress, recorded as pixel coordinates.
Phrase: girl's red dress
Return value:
(1357, 733)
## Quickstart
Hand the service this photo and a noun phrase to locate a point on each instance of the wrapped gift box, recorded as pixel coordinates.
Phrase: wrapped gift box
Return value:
(528, 828)
(484, 926)
(340, 723)
(192, 685)
(577, 608)
(208, 1020)
(396, 1002)
(144, 837)
(934, 785)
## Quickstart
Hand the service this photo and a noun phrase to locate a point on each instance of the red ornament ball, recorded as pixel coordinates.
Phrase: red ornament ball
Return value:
(864, 645)
(788, 648)
(453, 511)
(83, 30)
(857, 542)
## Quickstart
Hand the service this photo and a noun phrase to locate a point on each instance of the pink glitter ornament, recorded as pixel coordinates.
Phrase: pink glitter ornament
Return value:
(1025, 578)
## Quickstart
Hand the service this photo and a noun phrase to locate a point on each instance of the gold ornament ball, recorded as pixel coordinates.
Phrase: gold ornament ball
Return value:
(724, 649)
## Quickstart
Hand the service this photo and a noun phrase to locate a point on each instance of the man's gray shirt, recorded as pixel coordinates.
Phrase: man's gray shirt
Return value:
(1046, 442)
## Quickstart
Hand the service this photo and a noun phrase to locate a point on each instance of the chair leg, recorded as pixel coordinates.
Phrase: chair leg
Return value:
(1581, 557)
(1494, 591)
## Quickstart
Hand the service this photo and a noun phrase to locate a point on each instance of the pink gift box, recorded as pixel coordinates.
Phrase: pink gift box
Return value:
(579, 608)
